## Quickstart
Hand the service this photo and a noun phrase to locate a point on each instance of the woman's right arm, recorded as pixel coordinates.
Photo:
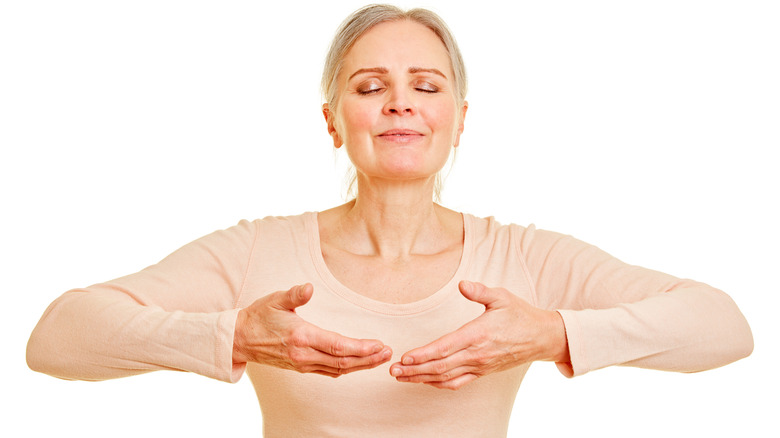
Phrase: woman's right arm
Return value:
(182, 314)
(178, 315)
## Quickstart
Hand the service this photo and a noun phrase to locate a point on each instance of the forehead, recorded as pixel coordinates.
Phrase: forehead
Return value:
(398, 45)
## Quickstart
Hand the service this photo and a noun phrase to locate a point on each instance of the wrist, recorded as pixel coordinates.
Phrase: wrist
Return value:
(238, 337)
(559, 345)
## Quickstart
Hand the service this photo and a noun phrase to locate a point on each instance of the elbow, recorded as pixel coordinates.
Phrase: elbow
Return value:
(731, 339)
(738, 346)
(50, 349)
(43, 357)
(738, 338)
(721, 333)
(35, 360)
(38, 356)
(743, 343)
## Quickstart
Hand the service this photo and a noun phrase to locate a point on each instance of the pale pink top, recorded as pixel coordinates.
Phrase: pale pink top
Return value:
(180, 314)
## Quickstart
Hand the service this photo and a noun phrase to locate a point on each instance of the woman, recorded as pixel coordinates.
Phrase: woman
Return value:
(395, 295)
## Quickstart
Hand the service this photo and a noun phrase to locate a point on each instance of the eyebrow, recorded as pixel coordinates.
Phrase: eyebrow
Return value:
(384, 70)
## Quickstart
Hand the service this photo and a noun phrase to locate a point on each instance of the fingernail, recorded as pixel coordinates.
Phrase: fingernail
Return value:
(407, 361)
(396, 372)
(467, 286)
(377, 348)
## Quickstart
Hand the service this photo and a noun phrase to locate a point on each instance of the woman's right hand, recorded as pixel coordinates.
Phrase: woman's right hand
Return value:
(271, 333)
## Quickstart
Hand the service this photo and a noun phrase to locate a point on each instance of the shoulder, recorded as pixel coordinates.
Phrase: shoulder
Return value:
(281, 231)
(280, 222)
(246, 232)
(489, 228)
(525, 239)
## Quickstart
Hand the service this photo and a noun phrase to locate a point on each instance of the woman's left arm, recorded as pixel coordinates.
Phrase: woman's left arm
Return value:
(620, 314)
(593, 311)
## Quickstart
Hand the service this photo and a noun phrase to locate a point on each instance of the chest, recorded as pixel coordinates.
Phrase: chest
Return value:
(371, 402)
(397, 281)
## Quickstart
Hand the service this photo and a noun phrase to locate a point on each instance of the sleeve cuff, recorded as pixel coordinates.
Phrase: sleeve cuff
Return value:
(226, 370)
(578, 364)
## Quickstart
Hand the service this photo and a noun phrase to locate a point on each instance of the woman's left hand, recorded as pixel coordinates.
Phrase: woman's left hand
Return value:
(511, 332)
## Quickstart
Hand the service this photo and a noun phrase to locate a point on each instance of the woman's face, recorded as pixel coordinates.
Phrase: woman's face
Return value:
(397, 112)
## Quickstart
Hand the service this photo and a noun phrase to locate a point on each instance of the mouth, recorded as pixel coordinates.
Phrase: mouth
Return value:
(400, 134)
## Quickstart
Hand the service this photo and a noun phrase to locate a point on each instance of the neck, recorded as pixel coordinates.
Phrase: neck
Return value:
(397, 220)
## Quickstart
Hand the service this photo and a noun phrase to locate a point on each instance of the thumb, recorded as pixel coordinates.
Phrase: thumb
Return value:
(295, 297)
(479, 293)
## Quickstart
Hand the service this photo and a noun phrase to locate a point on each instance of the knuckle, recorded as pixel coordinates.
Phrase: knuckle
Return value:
(481, 336)
(298, 338)
(337, 348)
(342, 364)
(364, 349)
(440, 368)
(482, 360)
(297, 357)
(375, 359)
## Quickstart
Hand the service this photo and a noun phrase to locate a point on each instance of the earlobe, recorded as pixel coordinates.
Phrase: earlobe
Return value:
(331, 126)
(461, 125)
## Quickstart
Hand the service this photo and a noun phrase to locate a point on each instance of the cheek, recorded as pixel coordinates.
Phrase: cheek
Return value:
(443, 118)
(356, 123)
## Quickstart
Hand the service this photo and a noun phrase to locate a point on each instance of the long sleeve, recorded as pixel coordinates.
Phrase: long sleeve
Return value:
(619, 314)
(177, 315)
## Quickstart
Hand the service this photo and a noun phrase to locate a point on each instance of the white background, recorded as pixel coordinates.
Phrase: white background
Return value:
(649, 129)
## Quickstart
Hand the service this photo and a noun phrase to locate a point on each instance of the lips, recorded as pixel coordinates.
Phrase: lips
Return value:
(400, 134)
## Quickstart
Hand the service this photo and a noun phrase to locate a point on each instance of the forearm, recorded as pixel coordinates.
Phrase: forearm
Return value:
(99, 335)
(178, 314)
(692, 328)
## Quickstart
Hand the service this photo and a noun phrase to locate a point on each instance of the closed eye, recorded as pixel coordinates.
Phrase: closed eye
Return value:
(369, 91)
(371, 87)
(427, 87)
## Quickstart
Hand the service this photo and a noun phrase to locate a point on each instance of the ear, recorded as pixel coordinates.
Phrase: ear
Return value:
(330, 119)
(461, 125)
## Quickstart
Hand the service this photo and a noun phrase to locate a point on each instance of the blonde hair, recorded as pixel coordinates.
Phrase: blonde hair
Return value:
(363, 20)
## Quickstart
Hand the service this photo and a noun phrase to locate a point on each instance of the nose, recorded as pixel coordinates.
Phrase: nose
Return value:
(399, 103)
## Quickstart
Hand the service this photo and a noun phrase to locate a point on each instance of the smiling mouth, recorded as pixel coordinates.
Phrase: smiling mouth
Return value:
(399, 133)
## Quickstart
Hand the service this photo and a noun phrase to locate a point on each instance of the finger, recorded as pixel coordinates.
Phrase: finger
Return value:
(318, 362)
(480, 293)
(367, 363)
(448, 365)
(436, 378)
(364, 363)
(450, 373)
(334, 344)
(445, 346)
(295, 297)
(456, 383)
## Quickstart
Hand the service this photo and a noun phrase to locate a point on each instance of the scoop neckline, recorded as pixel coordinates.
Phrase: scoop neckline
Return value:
(370, 304)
